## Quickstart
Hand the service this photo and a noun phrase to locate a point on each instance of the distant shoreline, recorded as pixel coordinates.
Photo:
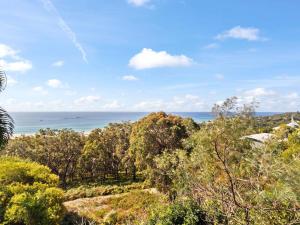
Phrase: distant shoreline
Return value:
(28, 123)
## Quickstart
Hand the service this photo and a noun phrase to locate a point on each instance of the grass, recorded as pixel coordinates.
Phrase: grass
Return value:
(94, 190)
(128, 208)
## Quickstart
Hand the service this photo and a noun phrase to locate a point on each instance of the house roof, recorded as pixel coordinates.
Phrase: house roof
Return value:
(292, 124)
(262, 137)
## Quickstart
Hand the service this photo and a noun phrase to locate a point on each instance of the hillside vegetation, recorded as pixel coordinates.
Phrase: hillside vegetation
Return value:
(162, 169)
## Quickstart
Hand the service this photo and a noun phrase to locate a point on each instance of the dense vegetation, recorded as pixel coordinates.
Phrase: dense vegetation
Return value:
(267, 123)
(28, 194)
(164, 169)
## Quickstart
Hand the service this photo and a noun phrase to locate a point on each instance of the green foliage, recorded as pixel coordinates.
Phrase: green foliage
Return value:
(154, 134)
(129, 208)
(163, 175)
(227, 179)
(267, 123)
(178, 213)
(87, 191)
(58, 149)
(235, 182)
(28, 194)
(106, 151)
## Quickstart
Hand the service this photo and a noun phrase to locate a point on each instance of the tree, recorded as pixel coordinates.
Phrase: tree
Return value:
(163, 175)
(106, 151)
(29, 194)
(6, 122)
(234, 182)
(153, 135)
(60, 150)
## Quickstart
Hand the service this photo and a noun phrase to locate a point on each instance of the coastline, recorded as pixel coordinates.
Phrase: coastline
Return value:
(16, 135)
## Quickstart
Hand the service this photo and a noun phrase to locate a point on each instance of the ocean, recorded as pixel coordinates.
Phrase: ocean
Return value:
(31, 122)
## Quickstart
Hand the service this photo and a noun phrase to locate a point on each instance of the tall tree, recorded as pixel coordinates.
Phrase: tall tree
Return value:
(153, 135)
(6, 121)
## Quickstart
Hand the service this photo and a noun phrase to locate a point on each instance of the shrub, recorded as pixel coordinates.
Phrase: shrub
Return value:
(87, 191)
(186, 213)
(28, 194)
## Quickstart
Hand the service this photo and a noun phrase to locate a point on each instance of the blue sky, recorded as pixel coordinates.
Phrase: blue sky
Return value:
(149, 55)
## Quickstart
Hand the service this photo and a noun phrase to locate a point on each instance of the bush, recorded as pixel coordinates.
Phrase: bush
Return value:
(185, 213)
(28, 194)
(88, 191)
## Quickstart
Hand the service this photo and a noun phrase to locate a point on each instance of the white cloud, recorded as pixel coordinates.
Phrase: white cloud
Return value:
(293, 95)
(70, 92)
(59, 63)
(192, 97)
(6, 50)
(11, 81)
(271, 101)
(152, 105)
(211, 46)
(219, 76)
(87, 100)
(65, 27)
(54, 83)
(112, 105)
(129, 78)
(138, 2)
(148, 58)
(18, 66)
(259, 92)
(176, 104)
(40, 89)
(238, 32)
(11, 61)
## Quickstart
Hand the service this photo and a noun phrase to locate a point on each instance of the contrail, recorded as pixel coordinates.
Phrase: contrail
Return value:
(65, 27)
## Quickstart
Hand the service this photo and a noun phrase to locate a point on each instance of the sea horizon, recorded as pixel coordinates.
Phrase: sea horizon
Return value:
(84, 121)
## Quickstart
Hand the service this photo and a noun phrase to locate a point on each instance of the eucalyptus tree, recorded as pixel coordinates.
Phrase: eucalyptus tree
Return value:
(106, 151)
(235, 182)
(152, 136)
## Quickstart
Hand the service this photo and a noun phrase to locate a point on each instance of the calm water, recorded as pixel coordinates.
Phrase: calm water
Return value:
(31, 122)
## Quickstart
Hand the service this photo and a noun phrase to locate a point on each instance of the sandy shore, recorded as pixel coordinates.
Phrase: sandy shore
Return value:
(85, 133)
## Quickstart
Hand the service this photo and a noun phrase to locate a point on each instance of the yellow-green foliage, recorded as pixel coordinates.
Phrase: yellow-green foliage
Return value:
(87, 191)
(129, 208)
(28, 194)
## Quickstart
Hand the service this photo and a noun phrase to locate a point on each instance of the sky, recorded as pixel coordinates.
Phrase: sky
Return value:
(149, 55)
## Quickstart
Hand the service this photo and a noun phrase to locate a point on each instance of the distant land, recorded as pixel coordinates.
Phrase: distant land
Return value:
(31, 122)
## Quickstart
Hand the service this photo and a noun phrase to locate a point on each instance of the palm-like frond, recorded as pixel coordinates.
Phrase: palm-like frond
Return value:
(6, 127)
(2, 80)
(6, 121)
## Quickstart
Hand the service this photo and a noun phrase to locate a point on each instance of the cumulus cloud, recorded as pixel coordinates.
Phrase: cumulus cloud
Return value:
(259, 92)
(59, 63)
(149, 58)
(112, 105)
(211, 46)
(87, 100)
(19, 66)
(129, 78)
(187, 102)
(138, 3)
(11, 81)
(11, 61)
(54, 83)
(6, 50)
(293, 95)
(49, 6)
(40, 90)
(238, 32)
